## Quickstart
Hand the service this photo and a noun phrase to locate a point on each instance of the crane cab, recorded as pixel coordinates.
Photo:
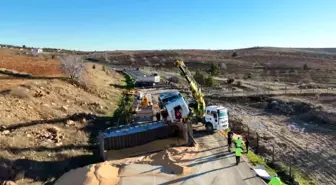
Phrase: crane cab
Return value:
(216, 118)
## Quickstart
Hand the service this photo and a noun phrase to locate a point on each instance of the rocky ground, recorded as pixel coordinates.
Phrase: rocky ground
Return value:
(308, 145)
(40, 135)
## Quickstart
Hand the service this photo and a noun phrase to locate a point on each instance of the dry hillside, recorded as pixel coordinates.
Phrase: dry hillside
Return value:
(41, 134)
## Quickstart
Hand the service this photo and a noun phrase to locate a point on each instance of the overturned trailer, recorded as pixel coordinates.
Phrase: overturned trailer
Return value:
(128, 136)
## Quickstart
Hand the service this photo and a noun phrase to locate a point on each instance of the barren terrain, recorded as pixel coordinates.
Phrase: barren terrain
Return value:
(286, 95)
(46, 128)
(301, 123)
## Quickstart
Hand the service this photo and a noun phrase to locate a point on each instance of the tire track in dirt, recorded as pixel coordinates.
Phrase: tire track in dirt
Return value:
(316, 160)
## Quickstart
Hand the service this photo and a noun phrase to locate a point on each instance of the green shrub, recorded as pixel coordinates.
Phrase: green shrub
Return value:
(230, 80)
(210, 81)
(234, 54)
(214, 69)
(306, 67)
(239, 83)
(200, 77)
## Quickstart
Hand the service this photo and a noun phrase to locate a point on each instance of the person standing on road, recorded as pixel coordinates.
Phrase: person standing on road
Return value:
(275, 180)
(238, 142)
(247, 142)
(238, 151)
(229, 139)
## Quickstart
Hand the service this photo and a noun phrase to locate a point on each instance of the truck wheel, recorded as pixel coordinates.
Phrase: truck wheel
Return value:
(209, 127)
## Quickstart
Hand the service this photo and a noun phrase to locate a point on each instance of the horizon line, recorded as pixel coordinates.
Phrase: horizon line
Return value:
(203, 49)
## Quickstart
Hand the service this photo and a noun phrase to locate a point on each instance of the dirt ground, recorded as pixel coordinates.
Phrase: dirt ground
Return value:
(302, 137)
(309, 145)
(28, 64)
(38, 139)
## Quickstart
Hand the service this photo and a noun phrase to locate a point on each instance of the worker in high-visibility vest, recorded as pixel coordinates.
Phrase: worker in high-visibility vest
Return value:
(238, 152)
(238, 142)
(275, 180)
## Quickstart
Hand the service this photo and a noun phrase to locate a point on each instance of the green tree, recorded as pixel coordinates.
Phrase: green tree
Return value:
(234, 54)
(306, 67)
(204, 80)
(210, 81)
(200, 77)
(214, 69)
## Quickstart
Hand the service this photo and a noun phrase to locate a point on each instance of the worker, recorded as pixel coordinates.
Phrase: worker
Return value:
(145, 101)
(229, 139)
(158, 116)
(238, 142)
(238, 152)
(275, 180)
(178, 115)
(247, 142)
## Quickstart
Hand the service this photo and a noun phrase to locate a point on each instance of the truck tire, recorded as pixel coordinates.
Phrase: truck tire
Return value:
(209, 127)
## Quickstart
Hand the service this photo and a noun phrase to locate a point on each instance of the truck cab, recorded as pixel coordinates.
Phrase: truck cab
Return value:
(216, 118)
(172, 102)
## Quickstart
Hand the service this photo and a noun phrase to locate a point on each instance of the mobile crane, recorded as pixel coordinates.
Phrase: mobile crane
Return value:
(213, 117)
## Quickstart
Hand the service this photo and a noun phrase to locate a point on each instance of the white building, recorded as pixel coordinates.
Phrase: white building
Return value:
(36, 51)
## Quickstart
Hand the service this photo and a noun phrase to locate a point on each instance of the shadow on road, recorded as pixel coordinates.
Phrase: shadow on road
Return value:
(193, 176)
(210, 158)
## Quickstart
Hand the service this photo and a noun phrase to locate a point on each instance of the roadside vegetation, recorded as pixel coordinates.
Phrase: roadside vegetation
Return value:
(121, 115)
(288, 176)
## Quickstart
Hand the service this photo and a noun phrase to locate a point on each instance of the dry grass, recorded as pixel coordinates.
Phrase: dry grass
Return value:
(32, 65)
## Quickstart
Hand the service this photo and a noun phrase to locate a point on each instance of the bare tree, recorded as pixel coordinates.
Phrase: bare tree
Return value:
(72, 65)
(223, 66)
(106, 57)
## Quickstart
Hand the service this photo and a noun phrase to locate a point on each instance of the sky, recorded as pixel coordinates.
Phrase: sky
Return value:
(168, 24)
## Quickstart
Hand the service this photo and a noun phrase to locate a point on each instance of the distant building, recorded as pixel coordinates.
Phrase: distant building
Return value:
(36, 51)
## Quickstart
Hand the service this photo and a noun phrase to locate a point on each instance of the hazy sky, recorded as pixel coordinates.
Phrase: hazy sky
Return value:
(168, 24)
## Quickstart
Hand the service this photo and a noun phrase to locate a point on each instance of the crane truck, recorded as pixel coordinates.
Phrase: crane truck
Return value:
(213, 117)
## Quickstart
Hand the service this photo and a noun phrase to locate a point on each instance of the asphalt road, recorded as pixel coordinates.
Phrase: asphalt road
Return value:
(213, 165)
(216, 166)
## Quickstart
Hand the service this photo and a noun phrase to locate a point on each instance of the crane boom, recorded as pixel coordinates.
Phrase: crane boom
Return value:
(195, 90)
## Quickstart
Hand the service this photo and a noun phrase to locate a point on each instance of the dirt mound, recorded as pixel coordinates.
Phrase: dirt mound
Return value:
(97, 174)
(165, 158)
(288, 107)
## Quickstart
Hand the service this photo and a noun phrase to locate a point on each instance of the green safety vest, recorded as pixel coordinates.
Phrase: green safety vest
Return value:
(239, 142)
(238, 151)
(275, 181)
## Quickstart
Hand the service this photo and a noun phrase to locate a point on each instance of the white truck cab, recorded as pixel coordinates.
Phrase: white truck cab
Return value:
(216, 118)
(172, 102)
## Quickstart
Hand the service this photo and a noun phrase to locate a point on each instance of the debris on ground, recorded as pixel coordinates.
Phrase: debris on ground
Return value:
(96, 174)
(167, 160)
